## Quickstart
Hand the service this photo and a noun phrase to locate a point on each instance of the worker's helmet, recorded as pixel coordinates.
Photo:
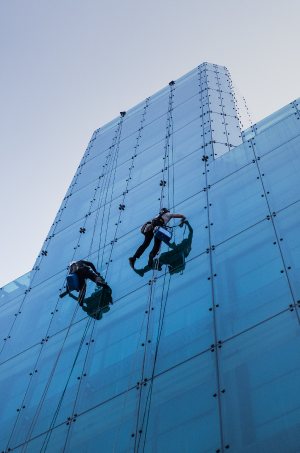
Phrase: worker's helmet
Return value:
(72, 262)
(164, 211)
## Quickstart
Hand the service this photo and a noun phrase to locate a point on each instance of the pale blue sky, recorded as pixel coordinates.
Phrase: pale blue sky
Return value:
(70, 66)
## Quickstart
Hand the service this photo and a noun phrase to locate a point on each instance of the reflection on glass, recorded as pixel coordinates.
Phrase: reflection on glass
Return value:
(97, 303)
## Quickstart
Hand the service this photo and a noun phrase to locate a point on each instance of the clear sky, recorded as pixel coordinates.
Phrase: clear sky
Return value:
(70, 66)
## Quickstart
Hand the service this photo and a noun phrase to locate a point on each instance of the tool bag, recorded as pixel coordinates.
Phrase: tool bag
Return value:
(72, 282)
(163, 234)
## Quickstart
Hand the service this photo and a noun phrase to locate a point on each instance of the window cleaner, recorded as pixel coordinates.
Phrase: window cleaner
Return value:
(175, 257)
(147, 229)
(76, 280)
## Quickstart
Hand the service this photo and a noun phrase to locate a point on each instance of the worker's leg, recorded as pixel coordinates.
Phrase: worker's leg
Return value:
(154, 251)
(87, 273)
(142, 248)
(145, 244)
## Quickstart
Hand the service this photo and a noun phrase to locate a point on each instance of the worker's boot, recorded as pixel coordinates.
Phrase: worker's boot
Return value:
(132, 261)
(100, 282)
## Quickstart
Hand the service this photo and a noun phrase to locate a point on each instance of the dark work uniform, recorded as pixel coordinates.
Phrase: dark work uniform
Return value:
(160, 220)
(82, 270)
(148, 238)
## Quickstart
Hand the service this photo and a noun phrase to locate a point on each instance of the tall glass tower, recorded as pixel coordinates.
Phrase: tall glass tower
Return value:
(198, 354)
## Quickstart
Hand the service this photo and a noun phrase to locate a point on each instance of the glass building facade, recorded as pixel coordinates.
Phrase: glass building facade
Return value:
(198, 354)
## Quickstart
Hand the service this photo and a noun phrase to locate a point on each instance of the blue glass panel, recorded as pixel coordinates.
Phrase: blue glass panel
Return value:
(281, 170)
(215, 102)
(115, 358)
(218, 128)
(219, 149)
(128, 146)
(237, 202)
(145, 167)
(213, 67)
(8, 316)
(14, 378)
(260, 372)
(60, 251)
(186, 112)
(186, 90)
(110, 426)
(181, 415)
(182, 323)
(287, 224)
(132, 121)
(285, 131)
(233, 130)
(187, 139)
(103, 140)
(37, 312)
(249, 286)
(153, 132)
(52, 442)
(229, 163)
(78, 205)
(91, 170)
(185, 178)
(249, 133)
(52, 376)
(212, 81)
(274, 118)
(157, 106)
(15, 288)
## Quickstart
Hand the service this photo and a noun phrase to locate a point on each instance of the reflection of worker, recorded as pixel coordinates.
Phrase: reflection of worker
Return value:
(98, 302)
(148, 230)
(175, 258)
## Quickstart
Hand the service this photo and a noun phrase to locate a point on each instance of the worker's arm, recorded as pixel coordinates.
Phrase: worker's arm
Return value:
(87, 263)
(179, 216)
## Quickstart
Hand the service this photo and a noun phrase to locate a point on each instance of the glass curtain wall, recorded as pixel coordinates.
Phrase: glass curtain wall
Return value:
(197, 354)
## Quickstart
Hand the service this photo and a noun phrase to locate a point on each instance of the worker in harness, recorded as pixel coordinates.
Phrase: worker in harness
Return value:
(148, 228)
(84, 270)
(175, 257)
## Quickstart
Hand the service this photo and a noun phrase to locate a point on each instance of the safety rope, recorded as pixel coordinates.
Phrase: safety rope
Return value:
(116, 145)
(169, 133)
(148, 302)
(110, 202)
(40, 404)
(169, 129)
(48, 435)
(52, 373)
(163, 305)
(114, 152)
(80, 300)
